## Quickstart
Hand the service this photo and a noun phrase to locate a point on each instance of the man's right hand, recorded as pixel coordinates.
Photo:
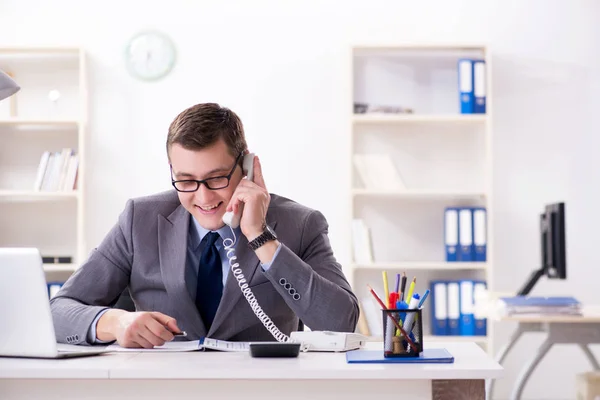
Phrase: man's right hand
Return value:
(136, 329)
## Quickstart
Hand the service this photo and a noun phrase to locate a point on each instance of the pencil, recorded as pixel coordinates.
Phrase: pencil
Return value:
(397, 283)
(411, 288)
(386, 289)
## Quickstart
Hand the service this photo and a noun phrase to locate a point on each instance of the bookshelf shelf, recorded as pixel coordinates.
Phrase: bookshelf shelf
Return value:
(420, 265)
(24, 195)
(434, 338)
(60, 267)
(39, 123)
(418, 193)
(407, 169)
(376, 119)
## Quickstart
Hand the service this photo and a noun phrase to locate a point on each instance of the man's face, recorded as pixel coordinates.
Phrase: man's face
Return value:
(207, 206)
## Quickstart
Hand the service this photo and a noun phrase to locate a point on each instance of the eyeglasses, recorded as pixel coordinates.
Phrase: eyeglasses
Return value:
(191, 185)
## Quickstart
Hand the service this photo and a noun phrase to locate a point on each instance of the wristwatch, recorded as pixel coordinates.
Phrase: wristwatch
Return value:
(267, 235)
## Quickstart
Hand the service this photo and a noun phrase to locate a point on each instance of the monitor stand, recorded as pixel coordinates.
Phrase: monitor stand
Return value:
(533, 278)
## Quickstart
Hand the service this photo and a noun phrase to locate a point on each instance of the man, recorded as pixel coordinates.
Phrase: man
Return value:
(168, 250)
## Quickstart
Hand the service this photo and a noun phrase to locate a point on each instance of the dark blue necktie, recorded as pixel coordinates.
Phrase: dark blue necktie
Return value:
(210, 280)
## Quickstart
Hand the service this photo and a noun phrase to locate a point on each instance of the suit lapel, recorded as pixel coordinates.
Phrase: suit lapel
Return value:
(249, 264)
(172, 249)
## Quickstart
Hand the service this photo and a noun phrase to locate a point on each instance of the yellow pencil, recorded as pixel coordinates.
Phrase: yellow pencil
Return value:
(411, 288)
(385, 287)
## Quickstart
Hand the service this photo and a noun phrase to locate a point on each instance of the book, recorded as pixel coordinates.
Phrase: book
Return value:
(427, 356)
(520, 305)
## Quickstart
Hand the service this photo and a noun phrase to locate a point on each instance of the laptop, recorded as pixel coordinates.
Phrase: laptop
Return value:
(27, 328)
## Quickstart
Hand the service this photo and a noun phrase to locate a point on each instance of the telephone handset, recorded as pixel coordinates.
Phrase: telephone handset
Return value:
(233, 220)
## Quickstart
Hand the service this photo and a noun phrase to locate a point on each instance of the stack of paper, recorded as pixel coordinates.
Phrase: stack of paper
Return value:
(525, 305)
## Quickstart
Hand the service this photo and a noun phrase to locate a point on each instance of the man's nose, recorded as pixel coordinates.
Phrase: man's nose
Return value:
(204, 194)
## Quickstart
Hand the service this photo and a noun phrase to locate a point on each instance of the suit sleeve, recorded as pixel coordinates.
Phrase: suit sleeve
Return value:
(312, 283)
(96, 285)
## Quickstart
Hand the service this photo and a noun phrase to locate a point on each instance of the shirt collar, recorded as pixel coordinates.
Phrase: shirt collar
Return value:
(197, 233)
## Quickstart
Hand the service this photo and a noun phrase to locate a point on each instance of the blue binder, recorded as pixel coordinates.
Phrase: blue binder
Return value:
(451, 233)
(453, 308)
(467, 323)
(479, 287)
(466, 249)
(439, 308)
(479, 89)
(465, 85)
(480, 234)
(427, 356)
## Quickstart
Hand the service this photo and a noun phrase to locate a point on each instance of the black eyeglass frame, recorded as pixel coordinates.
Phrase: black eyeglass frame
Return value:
(206, 182)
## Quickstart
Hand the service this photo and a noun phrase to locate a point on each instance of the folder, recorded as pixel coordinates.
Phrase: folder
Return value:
(479, 89)
(451, 233)
(465, 85)
(480, 234)
(427, 356)
(467, 324)
(439, 309)
(465, 235)
(53, 288)
(453, 308)
(479, 318)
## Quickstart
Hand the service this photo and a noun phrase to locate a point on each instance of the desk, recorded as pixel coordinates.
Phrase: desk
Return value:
(578, 330)
(196, 375)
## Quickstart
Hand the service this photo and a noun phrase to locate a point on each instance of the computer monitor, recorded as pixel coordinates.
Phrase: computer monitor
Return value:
(553, 247)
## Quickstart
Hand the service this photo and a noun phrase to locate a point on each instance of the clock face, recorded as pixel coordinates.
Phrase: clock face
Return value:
(150, 55)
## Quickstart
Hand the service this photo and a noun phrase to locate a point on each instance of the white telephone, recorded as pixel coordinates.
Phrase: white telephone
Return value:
(233, 220)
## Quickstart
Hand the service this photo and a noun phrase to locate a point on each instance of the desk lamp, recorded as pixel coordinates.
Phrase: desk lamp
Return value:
(8, 87)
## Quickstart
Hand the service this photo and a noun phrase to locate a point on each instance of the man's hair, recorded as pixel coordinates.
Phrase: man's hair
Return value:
(202, 125)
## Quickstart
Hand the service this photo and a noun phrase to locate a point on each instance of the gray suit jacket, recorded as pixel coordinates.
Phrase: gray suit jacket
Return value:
(146, 251)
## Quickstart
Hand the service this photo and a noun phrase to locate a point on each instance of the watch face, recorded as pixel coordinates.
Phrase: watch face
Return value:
(271, 231)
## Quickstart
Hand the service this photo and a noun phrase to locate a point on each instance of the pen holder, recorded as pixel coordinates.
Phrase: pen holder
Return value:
(395, 342)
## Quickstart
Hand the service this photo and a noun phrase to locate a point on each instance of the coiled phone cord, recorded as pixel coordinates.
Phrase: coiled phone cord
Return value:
(247, 292)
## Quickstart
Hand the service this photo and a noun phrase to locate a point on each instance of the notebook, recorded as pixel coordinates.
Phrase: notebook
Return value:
(427, 356)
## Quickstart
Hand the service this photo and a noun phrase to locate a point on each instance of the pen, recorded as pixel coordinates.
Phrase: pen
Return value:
(403, 286)
(397, 283)
(423, 298)
(383, 307)
(181, 334)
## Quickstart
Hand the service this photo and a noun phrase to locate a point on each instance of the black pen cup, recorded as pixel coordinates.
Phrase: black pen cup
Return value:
(402, 333)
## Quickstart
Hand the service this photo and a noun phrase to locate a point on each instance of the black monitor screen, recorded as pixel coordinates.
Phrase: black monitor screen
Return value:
(552, 230)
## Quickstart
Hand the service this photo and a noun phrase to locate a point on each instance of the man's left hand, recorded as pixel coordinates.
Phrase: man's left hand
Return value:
(256, 199)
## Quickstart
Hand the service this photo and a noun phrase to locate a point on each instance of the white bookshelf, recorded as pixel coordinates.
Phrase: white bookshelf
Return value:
(443, 158)
(50, 220)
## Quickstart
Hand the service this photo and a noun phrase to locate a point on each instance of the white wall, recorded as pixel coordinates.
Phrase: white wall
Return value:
(284, 67)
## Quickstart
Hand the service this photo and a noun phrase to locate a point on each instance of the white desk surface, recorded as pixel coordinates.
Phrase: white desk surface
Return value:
(471, 362)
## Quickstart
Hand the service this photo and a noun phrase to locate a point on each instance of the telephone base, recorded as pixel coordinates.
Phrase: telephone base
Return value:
(328, 340)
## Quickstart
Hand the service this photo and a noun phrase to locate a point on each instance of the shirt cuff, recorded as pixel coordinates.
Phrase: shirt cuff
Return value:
(91, 337)
(266, 266)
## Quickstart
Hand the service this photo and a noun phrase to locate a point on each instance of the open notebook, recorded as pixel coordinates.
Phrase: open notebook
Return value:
(193, 345)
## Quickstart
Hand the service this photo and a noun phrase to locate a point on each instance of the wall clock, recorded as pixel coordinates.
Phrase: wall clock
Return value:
(150, 55)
